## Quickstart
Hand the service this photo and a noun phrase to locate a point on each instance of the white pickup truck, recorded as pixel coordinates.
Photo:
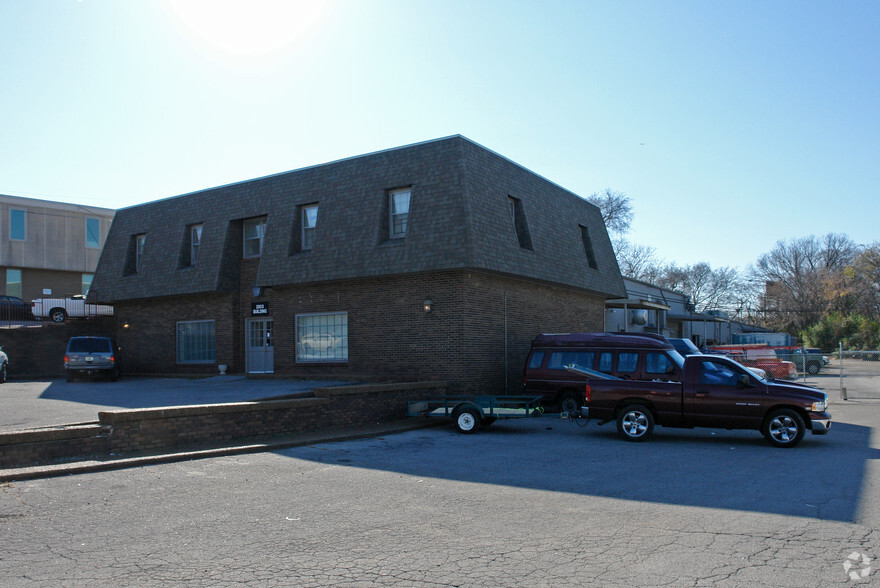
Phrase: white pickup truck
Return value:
(59, 309)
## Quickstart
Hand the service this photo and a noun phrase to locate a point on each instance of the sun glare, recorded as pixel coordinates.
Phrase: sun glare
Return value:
(247, 28)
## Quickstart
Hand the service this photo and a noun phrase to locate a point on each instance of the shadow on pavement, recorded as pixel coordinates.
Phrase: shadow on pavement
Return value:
(822, 478)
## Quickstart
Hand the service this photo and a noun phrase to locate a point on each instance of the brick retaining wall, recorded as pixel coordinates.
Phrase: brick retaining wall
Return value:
(123, 433)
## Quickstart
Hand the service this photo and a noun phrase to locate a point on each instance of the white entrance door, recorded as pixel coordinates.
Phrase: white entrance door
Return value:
(260, 348)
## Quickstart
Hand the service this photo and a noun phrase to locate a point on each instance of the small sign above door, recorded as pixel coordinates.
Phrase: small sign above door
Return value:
(259, 308)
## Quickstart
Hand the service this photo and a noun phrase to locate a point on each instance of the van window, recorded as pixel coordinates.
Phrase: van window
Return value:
(627, 362)
(559, 359)
(605, 362)
(536, 360)
(658, 363)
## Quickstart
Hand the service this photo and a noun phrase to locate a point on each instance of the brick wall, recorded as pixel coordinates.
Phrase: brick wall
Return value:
(476, 336)
(38, 352)
(161, 430)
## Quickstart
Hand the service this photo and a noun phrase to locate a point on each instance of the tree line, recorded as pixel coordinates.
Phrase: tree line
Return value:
(822, 289)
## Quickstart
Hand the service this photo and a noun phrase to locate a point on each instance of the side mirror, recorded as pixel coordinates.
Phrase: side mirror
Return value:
(744, 382)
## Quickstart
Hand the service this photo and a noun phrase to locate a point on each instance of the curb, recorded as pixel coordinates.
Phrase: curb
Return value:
(103, 465)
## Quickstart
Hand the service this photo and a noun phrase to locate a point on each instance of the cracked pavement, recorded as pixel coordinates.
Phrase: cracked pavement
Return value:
(537, 502)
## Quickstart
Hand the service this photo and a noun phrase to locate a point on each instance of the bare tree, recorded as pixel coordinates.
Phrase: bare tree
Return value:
(709, 289)
(616, 210)
(638, 262)
(798, 274)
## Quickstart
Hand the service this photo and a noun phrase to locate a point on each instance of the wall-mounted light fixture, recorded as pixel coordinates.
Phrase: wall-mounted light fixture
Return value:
(257, 291)
(427, 304)
(125, 325)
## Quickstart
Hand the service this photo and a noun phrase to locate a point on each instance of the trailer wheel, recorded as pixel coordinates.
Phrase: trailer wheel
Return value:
(467, 420)
(635, 423)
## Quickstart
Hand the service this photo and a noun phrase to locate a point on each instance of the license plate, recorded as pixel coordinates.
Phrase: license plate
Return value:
(89, 358)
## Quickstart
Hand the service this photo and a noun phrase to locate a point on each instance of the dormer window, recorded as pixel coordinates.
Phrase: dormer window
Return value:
(518, 219)
(195, 243)
(139, 242)
(588, 247)
(398, 209)
(254, 231)
(309, 220)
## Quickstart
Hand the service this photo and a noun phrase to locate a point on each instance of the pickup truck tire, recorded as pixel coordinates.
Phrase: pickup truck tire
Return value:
(467, 420)
(813, 368)
(784, 428)
(57, 315)
(635, 422)
(569, 402)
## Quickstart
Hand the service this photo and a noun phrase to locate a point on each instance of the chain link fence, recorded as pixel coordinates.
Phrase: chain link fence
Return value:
(849, 375)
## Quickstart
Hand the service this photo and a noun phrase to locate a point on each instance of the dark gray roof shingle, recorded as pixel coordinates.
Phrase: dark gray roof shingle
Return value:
(459, 218)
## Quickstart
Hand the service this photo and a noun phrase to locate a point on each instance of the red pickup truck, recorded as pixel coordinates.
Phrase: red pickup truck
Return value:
(715, 392)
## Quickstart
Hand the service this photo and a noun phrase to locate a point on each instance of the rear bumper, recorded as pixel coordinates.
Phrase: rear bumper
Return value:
(89, 371)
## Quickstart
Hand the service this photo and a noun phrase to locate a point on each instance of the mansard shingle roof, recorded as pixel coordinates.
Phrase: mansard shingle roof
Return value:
(459, 217)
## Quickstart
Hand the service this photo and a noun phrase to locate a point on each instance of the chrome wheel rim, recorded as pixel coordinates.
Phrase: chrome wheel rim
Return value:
(635, 424)
(783, 429)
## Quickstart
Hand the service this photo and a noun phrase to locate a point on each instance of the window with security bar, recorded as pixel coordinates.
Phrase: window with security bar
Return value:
(195, 342)
(322, 337)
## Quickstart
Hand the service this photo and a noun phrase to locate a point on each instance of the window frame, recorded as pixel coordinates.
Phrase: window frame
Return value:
(97, 243)
(307, 240)
(300, 353)
(16, 284)
(87, 285)
(13, 216)
(139, 245)
(392, 215)
(200, 347)
(195, 243)
(260, 222)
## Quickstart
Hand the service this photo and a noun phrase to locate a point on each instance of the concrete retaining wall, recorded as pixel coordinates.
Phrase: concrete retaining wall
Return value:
(125, 433)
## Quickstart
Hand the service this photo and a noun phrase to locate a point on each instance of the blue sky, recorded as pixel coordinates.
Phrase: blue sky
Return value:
(731, 125)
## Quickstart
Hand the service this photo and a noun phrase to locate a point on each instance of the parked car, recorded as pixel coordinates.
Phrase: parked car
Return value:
(684, 346)
(632, 356)
(813, 357)
(759, 356)
(13, 308)
(58, 309)
(91, 356)
(715, 392)
(4, 366)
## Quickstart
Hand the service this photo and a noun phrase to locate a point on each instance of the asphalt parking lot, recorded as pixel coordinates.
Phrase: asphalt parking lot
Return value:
(529, 502)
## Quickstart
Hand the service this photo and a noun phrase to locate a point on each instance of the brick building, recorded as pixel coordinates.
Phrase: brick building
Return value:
(437, 260)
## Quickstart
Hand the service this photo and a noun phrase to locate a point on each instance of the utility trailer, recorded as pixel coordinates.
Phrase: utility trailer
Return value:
(468, 413)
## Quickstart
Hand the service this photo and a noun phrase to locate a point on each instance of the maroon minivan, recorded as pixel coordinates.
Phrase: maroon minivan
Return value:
(631, 356)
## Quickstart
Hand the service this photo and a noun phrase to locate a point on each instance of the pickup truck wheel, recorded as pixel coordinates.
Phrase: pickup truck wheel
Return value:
(784, 428)
(813, 368)
(58, 315)
(635, 423)
(467, 420)
(569, 403)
